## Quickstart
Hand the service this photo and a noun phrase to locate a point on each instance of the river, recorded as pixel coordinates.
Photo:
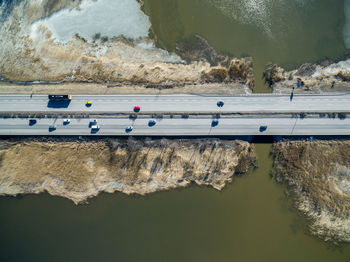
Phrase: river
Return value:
(251, 219)
(286, 32)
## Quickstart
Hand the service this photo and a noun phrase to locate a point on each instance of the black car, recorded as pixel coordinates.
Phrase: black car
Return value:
(52, 128)
(32, 122)
(220, 103)
(262, 128)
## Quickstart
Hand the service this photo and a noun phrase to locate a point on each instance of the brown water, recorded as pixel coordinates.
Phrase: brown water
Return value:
(251, 220)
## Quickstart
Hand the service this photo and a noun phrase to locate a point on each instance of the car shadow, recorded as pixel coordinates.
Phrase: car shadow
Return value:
(94, 131)
(58, 104)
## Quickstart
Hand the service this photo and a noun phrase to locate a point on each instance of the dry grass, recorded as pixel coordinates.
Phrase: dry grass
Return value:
(81, 169)
(319, 175)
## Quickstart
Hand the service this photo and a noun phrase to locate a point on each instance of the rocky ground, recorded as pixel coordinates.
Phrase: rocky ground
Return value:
(79, 170)
(318, 175)
(310, 78)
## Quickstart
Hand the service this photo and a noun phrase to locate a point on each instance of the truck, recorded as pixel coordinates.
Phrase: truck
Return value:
(60, 97)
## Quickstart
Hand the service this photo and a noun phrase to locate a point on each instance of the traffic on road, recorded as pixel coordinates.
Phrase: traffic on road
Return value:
(146, 115)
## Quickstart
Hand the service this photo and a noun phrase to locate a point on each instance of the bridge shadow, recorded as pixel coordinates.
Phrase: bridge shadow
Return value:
(342, 116)
(58, 104)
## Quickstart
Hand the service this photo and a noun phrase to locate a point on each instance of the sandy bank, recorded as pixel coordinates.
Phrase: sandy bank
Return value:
(318, 175)
(79, 170)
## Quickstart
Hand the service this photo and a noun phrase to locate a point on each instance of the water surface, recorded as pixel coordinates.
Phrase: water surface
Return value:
(251, 220)
(287, 32)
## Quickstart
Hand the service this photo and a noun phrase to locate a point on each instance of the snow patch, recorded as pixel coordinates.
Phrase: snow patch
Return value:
(105, 18)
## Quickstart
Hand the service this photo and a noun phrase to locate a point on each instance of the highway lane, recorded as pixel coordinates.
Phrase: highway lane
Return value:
(181, 103)
(180, 127)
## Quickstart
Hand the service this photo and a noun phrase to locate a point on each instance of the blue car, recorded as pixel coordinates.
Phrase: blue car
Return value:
(214, 123)
(151, 123)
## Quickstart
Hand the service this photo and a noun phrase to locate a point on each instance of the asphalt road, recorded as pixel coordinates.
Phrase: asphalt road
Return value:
(180, 127)
(180, 103)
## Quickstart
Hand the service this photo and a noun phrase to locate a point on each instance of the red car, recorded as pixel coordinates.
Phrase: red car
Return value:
(137, 109)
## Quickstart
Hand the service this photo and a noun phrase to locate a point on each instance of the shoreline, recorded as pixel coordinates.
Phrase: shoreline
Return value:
(317, 176)
(72, 169)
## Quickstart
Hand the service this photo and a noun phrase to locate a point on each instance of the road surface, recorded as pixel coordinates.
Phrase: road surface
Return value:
(199, 126)
(180, 103)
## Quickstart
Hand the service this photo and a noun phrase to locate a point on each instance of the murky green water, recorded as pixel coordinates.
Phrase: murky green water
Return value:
(251, 220)
(297, 33)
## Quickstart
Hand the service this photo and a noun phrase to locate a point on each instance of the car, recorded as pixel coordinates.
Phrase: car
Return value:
(137, 109)
(32, 122)
(52, 128)
(95, 128)
(128, 129)
(88, 103)
(262, 128)
(66, 121)
(220, 103)
(151, 123)
(214, 123)
(92, 122)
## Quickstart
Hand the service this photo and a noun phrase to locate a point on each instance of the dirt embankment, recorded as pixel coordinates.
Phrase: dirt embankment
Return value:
(318, 175)
(79, 170)
(310, 78)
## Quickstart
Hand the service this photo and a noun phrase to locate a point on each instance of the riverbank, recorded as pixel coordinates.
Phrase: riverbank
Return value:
(79, 170)
(318, 176)
(326, 77)
(129, 58)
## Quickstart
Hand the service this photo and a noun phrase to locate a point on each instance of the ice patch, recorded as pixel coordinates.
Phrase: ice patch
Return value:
(333, 69)
(341, 179)
(108, 18)
(160, 54)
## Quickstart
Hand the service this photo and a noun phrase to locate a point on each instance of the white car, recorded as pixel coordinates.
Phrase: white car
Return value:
(128, 129)
(95, 127)
(66, 121)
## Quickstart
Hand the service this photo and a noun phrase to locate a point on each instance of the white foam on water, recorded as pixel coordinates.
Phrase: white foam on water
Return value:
(111, 18)
(346, 31)
(255, 12)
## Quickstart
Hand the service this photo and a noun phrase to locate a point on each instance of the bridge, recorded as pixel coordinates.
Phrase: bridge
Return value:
(179, 115)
